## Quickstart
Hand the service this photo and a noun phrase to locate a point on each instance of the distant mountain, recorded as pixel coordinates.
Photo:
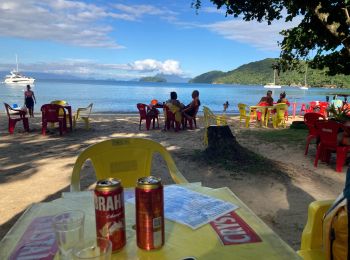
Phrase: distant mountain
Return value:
(152, 79)
(208, 77)
(173, 78)
(261, 72)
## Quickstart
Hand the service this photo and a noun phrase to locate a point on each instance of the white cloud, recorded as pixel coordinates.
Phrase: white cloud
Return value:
(166, 67)
(259, 35)
(70, 22)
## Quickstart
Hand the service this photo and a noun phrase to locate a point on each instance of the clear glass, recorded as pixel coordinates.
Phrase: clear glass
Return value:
(97, 249)
(69, 230)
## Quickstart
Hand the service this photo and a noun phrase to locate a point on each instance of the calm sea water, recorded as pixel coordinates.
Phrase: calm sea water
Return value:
(109, 96)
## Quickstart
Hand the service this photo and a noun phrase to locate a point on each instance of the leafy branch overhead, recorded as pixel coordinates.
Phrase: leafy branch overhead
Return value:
(324, 29)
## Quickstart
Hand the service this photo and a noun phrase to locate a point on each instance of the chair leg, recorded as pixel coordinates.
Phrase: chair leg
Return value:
(26, 124)
(341, 158)
(148, 123)
(195, 122)
(12, 124)
(318, 153)
(43, 128)
(308, 140)
(191, 124)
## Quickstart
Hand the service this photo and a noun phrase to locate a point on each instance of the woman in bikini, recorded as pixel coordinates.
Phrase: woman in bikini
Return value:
(29, 100)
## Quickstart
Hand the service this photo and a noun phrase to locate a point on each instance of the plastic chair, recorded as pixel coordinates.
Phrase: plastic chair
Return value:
(211, 119)
(83, 114)
(328, 132)
(15, 115)
(170, 119)
(311, 247)
(278, 117)
(127, 159)
(143, 116)
(243, 114)
(52, 113)
(310, 120)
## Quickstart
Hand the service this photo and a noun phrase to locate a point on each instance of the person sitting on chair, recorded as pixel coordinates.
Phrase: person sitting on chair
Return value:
(191, 109)
(283, 99)
(175, 106)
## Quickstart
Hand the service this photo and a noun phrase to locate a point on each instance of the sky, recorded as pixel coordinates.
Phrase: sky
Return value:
(125, 40)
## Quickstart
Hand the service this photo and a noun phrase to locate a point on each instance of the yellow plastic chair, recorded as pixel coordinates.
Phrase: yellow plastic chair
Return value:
(278, 118)
(311, 241)
(243, 114)
(124, 158)
(211, 119)
(83, 113)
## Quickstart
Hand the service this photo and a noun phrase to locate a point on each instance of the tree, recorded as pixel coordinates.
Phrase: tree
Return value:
(324, 28)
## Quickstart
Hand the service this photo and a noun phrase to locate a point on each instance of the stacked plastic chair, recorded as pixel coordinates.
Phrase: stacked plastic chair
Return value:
(211, 119)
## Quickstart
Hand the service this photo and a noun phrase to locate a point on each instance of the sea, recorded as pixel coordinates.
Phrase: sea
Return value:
(122, 97)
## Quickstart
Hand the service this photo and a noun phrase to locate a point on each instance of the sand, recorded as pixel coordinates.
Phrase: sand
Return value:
(36, 168)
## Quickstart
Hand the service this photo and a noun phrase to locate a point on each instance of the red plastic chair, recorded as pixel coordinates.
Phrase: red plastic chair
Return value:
(328, 131)
(143, 116)
(170, 120)
(323, 108)
(15, 115)
(310, 120)
(52, 113)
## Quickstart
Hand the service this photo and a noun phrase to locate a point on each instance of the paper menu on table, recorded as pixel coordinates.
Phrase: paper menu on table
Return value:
(191, 208)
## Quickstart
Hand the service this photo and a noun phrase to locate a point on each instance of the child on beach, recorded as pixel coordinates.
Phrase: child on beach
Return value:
(29, 100)
(226, 104)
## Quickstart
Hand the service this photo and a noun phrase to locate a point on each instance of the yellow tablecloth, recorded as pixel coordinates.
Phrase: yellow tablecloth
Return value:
(180, 241)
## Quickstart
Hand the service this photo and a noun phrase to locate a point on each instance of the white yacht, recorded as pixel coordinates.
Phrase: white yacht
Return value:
(17, 78)
(273, 85)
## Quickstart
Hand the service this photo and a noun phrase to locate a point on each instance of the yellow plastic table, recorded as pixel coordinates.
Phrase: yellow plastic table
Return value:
(265, 113)
(180, 240)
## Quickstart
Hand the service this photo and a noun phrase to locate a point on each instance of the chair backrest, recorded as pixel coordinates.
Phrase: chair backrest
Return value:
(52, 112)
(242, 109)
(310, 120)
(281, 109)
(142, 110)
(328, 132)
(211, 119)
(85, 111)
(12, 113)
(124, 158)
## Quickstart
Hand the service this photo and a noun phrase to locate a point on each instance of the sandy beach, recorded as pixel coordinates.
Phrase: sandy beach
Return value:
(36, 168)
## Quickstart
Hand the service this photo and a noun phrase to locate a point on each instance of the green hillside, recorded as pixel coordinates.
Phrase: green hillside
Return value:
(261, 72)
(209, 77)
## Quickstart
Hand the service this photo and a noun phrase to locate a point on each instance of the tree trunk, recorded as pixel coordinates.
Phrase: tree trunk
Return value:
(223, 145)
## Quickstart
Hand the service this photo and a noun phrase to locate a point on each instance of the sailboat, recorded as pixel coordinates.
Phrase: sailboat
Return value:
(305, 87)
(273, 85)
(17, 78)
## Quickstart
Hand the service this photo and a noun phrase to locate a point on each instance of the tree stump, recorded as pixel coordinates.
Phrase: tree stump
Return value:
(223, 144)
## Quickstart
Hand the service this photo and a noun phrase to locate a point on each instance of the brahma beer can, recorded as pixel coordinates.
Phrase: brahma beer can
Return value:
(110, 212)
(149, 213)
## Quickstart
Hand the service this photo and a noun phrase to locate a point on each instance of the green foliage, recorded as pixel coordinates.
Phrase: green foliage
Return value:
(152, 79)
(209, 77)
(323, 27)
(339, 113)
(261, 72)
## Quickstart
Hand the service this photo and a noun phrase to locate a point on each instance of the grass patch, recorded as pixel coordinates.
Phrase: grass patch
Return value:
(281, 136)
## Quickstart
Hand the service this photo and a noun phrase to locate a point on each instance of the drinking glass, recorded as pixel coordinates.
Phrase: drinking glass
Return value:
(97, 249)
(69, 229)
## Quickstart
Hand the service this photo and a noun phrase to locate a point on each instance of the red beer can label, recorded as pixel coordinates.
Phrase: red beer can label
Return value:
(149, 198)
(110, 212)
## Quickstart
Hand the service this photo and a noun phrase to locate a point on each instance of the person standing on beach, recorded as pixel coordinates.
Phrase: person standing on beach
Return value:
(29, 100)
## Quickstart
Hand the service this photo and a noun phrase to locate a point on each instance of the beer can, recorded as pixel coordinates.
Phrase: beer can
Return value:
(149, 213)
(110, 212)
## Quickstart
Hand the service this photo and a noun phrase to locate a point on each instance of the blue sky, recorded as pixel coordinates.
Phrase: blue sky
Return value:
(129, 39)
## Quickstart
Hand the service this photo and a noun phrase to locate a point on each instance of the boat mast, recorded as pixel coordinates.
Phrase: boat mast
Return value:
(305, 76)
(17, 62)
